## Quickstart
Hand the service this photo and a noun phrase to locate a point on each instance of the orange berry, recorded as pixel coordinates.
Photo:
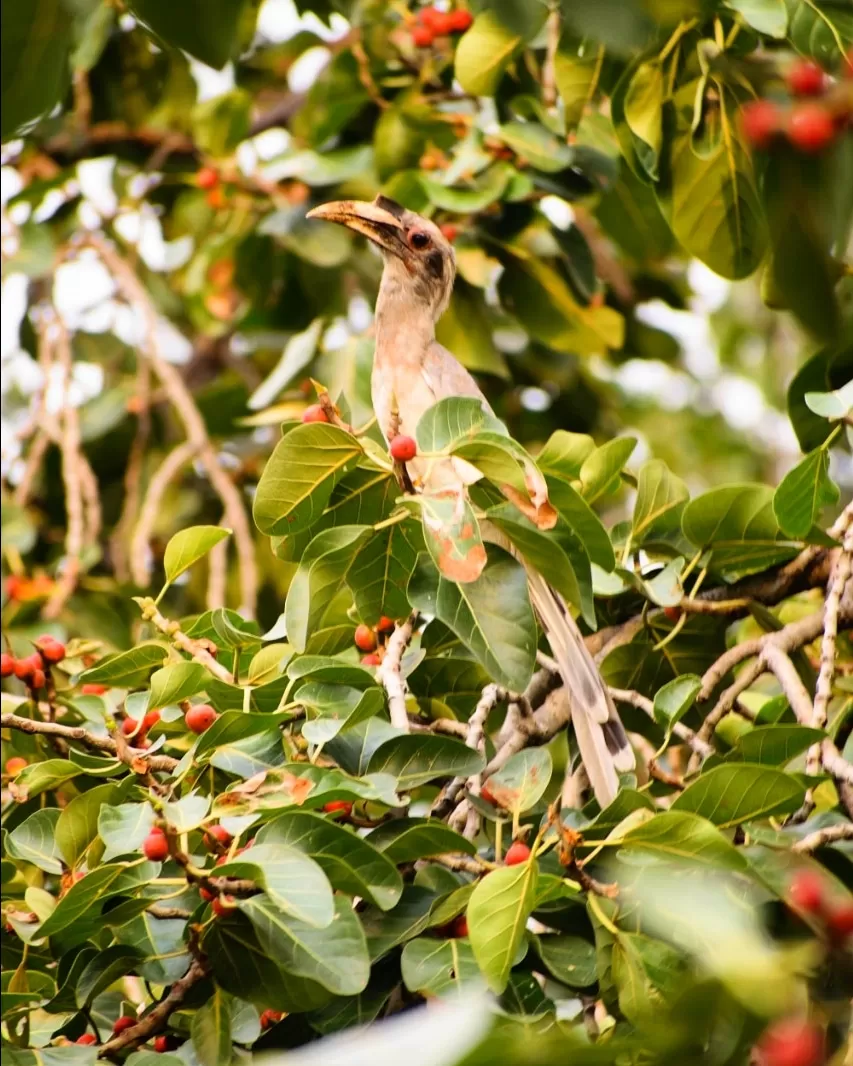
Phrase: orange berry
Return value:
(314, 413)
(155, 846)
(672, 613)
(365, 638)
(422, 36)
(370, 660)
(460, 21)
(38, 679)
(207, 178)
(223, 905)
(761, 121)
(805, 78)
(151, 719)
(385, 625)
(335, 806)
(125, 1022)
(15, 765)
(162, 1043)
(215, 198)
(839, 921)
(129, 725)
(220, 834)
(403, 449)
(25, 668)
(51, 650)
(200, 718)
(94, 690)
(7, 664)
(517, 852)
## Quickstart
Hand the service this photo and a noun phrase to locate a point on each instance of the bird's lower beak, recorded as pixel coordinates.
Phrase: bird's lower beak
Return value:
(371, 220)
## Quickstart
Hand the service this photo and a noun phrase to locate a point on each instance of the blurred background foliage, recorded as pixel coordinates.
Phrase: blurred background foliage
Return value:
(613, 261)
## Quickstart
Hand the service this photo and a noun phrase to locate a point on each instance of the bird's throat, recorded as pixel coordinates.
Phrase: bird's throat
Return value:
(405, 327)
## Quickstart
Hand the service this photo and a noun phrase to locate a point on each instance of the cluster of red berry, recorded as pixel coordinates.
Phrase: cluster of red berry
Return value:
(33, 669)
(432, 23)
(822, 108)
(790, 1042)
(138, 731)
(366, 639)
(808, 895)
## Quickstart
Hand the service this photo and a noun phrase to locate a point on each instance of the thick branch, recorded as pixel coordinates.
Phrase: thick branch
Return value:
(134, 757)
(390, 674)
(821, 837)
(158, 1016)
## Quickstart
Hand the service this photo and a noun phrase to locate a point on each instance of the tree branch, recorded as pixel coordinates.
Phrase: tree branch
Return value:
(195, 648)
(821, 837)
(390, 676)
(166, 472)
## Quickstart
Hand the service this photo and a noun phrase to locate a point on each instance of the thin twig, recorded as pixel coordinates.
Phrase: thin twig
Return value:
(390, 675)
(549, 79)
(196, 648)
(821, 837)
(156, 911)
(136, 758)
(643, 703)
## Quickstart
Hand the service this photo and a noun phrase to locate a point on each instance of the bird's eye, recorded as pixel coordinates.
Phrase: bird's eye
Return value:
(418, 239)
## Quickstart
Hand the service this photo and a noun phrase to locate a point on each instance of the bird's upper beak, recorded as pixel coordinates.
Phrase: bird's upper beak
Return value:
(370, 219)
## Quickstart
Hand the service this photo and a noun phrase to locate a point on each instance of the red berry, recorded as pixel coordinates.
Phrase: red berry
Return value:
(365, 638)
(449, 231)
(791, 1042)
(125, 1022)
(206, 894)
(151, 719)
(806, 78)
(811, 127)
(26, 667)
(672, 613)
(840, 921)
(207, 178)
(156, 846)
(487, 794)
(7, 664)
(161, 1043)
(370, 660)
(200, 717)
(314, 413)
(460, 926)
(385, 625)
(344, 806)
(807, 891)
(51, 650)
(269, 1018)
(93, 690)
(38, 680)
(220, 834)
(428, 16)
(517, 852)
(86, 1038)
(441, 23)
(403, 449)
(761, 121)
(422, 36)
(129, 725)
(15, 765)
(460, 21)
(223, 905)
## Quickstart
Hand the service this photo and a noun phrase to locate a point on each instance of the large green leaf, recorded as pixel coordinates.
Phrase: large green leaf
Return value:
(575, 76)
(211, 1030)
(568, 958)
(802, 494)
(90, 891)
(497, 915)
(126, 668)
(491, 615)
(521, 781)
(414, 759)
(766, 16)
(709, 196)
(679, 835)
(600, 470)
(176, 682)
(380, 572)
(438, 967)
(484, 53)
(407, 839)
(583, 521)
(822, 29)
(36, 37)
(207, 29)
(34, 840)
(338, 708)
(188, 546)
(124, 827)
(741, 792)
(77, 826)
(660, 499)
(335, 956)
(774, 745)
(643, 106)
(293, 882)
(352, 864)
(300, 475)
(452, 420)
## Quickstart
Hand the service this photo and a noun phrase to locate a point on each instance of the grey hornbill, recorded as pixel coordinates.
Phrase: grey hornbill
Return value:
(411, 372)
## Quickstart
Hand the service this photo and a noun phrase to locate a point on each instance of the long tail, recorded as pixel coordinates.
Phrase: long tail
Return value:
(603, 744)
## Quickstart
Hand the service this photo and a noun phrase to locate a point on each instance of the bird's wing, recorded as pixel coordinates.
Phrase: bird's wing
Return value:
(449, 377)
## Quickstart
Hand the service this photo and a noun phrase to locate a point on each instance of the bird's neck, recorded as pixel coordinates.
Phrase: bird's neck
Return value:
(405, 326)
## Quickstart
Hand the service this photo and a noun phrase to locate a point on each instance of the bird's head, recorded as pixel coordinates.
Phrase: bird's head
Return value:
(419, 261)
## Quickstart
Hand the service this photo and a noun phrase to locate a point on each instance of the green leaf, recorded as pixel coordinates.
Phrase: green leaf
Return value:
(77, 826)
(380, 572)
(740, 792)
(521, 781)
(491, 615)
(186, 813)
(207, 29)
(569, 959)
(352, 864)
(438, 967)
(643, 106)
(452, 420)
(335, 956)
(831, 405)
(815, 29)
(232, 726)
(484, 53)
(803, 493)
(513, 472)
(293, 882)
(36, 38)
(124, 827)
(679, 835)
(107, 966)
(774, 745)
(765, 16)
(339, 708)
(407, 839)
(600, 470)
(452, 534)
(34, 840)
(497, 915)
(564, 453)
(297, 354)
(674, 699)
(486, 189)
(211, 1030)
(646, 972)
(188, 546)
(176, 682)
(414, 759)
(660, 496)
(300, 475)
(737, 523)
(98, 885)
(585, 523)
(268, 663)
(537, 145)
(126, 669)
(710, 198)
(575, 76)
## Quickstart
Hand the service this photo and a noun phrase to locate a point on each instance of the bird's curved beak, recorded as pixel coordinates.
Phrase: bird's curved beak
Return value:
(372, 220)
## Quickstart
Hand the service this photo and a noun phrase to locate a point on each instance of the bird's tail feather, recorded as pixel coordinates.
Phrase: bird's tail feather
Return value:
(603, 744)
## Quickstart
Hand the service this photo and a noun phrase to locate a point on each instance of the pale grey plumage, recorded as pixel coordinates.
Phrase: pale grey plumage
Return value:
(411, 372)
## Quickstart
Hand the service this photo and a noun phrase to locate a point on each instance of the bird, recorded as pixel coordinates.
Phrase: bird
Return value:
(412, 371)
